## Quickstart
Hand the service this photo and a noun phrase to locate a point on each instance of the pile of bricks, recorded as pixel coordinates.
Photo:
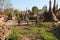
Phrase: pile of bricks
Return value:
(4, 33)
(1, 20)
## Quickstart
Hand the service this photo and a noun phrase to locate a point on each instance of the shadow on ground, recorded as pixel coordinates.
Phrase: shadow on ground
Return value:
(56, 32)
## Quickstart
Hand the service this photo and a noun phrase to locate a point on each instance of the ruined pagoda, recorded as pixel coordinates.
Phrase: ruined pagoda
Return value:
(50, 6)
(48, 15)
(54, 7)
(52, 13)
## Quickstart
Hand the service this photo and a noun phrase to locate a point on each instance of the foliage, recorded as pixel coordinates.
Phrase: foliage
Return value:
(15, 34)
(29, 12)
(46, 24)
(35, 9)
(29, 31)
(5, 4)
(18, 34)
(17, 11)
(6, 11)
(47, 35)
(56, 32)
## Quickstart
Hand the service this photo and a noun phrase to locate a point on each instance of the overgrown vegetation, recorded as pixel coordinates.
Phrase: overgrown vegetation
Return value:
(15, 35)
(47, 35)
(46, 24)
(32, 31)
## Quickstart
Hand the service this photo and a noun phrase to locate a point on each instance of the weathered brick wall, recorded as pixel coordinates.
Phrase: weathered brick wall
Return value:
(1, 21)
(4, 33)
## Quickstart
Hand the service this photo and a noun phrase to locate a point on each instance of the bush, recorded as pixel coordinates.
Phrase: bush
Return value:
(32, 31)
(15, 34)
(46, 24)
(47, 35)
(29, 30)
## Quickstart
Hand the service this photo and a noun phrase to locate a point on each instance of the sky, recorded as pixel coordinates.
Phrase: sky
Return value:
(23, 4)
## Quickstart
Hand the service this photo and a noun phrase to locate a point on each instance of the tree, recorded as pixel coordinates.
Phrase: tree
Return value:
(18, 16)
(17, 12)
(35, 9)
(29, 12)
(4, 4)
(6, 11)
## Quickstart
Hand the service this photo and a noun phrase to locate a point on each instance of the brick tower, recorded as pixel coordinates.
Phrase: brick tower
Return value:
(54, 7)
(50, 6)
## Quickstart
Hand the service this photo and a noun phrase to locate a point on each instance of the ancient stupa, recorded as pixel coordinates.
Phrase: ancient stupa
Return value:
(52, 13)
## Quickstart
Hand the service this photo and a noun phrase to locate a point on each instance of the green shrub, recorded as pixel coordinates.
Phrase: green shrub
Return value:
(47, 35)
(15, 34)
(29, 30)
(46, 24)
